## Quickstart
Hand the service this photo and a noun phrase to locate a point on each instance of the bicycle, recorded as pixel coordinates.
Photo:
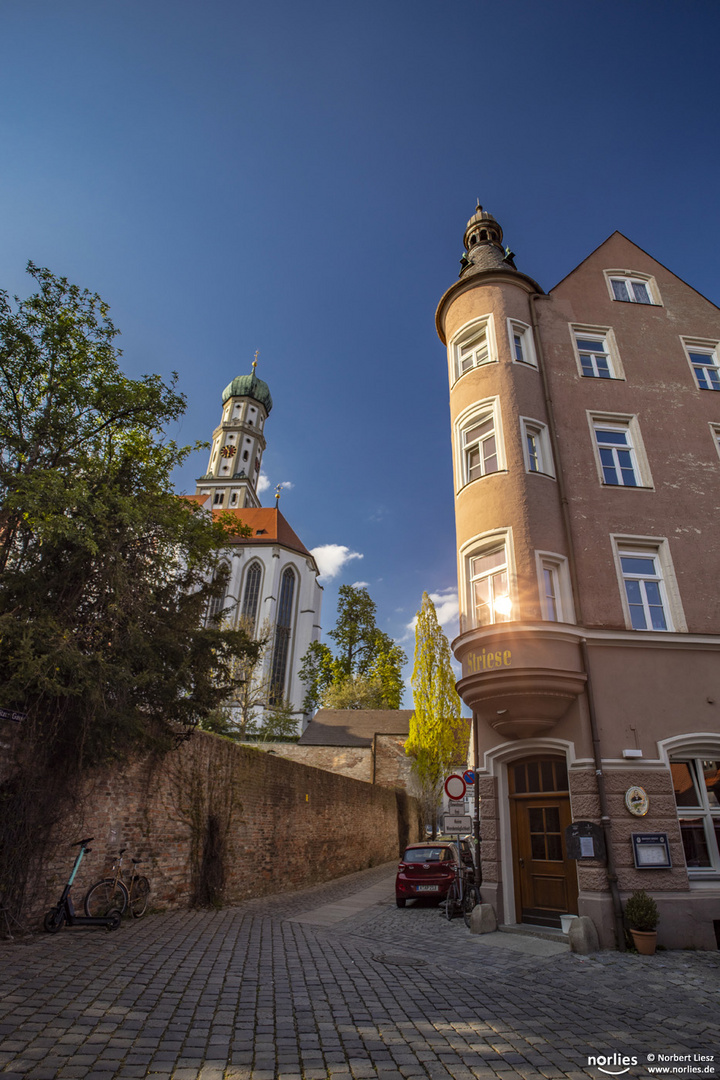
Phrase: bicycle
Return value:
(113, 893)
(64, 912)
(463, 894)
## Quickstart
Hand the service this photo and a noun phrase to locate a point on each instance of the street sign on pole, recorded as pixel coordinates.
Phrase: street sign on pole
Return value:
(458, 823)
(455, 787)
(11, 714)
(469, 777)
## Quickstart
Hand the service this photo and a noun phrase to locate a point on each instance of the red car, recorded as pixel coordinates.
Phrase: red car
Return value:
(426, 870)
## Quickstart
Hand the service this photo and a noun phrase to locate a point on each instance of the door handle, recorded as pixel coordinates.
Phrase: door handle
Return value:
(522, 862)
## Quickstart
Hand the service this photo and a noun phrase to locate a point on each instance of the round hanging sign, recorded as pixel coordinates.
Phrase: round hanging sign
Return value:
(455, 787)
(637, 801)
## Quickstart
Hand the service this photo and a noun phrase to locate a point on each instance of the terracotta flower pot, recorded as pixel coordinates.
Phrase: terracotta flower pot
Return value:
(645, 941)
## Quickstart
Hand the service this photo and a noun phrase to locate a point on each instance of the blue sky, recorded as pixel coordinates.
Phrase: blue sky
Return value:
(296, 178)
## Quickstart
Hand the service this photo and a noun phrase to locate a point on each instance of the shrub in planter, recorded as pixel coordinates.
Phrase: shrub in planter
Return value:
(641, 914)
(641, 911)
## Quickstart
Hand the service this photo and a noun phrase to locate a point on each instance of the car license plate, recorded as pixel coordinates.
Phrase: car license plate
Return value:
(427, 888)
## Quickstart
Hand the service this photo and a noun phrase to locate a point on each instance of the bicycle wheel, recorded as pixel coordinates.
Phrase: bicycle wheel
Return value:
(139, 893)
(470, 900)
(116, 919)
(54, 920)
(451, 902)
(104, 897)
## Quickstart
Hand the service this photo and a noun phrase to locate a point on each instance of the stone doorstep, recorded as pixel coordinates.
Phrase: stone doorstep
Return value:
(546, 933)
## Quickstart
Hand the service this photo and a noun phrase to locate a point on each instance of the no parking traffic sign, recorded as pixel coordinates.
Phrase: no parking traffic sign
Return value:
(469, 777)
(455, 787)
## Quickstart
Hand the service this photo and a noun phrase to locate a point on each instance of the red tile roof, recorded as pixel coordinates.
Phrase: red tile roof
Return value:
(268, 527)
(267, 524)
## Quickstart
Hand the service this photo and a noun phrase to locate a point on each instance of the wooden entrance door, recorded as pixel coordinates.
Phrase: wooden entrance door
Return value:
(545, 879)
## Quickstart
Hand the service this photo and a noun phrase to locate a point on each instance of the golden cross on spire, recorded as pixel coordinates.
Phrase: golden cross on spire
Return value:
(278, 489)
(254, 363)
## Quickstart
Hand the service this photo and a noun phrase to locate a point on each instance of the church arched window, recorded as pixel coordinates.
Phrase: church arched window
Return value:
(216, 604)
(252, 593)
(281, 647)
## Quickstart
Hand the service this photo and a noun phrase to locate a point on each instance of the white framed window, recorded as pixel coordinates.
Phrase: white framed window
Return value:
(490, 586)
(486, 577)
(479, 442)
(649, 589)
(619, 451)
(554, 586)
(644, 590)
(215, 613)
(536, 447)
(696, 783)
(218, 497)
(715, 432)
(474, 346)
(631, 287)
(596, 352)
(704, 361)
(522, 346)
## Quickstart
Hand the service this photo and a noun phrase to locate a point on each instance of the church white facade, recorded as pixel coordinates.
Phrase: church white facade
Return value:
(273, 579)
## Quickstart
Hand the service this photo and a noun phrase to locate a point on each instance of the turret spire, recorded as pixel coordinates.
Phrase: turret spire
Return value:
(483, 243)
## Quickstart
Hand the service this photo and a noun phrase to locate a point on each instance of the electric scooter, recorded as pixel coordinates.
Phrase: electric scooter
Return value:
(64, 912)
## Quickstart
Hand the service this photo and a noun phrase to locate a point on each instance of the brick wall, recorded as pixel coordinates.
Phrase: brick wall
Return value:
(278, 825)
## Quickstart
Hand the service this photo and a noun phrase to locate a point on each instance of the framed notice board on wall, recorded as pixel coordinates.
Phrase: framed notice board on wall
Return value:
(651, 851)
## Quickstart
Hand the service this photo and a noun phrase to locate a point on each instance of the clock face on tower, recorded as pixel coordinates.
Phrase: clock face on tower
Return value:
(228, 451)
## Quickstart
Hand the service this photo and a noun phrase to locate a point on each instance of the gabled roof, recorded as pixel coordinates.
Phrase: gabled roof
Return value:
(267, 524)
(632, 243)
(268, 527)
(354, 727)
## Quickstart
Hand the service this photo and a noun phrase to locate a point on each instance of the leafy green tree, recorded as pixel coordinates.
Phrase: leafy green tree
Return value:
(105, 575)
(366, 672)
(438, 735)
(386, 669)
(318, 673)
(355, 692)
(355, 631)
(279, 722)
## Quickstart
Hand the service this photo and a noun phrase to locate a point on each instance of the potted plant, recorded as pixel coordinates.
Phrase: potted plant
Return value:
(641, 914)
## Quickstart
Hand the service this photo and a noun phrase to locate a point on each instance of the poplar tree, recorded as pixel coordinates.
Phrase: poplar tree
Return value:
(438, 734)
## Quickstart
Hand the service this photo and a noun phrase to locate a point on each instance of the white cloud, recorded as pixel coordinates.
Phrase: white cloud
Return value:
(264, 484)
(332, 557)
(360, 585)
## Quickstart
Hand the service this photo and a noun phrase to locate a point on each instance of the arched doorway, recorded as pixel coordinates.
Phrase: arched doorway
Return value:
(545, 879)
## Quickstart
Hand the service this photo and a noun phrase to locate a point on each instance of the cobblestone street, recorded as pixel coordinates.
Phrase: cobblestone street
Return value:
(336, 982)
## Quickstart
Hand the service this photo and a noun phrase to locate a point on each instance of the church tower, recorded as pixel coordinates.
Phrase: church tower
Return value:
(237, 445)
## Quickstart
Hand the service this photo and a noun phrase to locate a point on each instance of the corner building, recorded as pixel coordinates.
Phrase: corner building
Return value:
(586, 450)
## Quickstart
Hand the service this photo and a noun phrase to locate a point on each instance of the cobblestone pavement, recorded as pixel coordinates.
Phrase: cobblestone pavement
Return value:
(259, 992)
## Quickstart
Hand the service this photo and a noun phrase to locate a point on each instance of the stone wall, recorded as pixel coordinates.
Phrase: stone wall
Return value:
(391, 765)
(216, 822)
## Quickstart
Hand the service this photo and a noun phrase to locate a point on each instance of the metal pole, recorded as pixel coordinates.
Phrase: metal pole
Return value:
(476, 822)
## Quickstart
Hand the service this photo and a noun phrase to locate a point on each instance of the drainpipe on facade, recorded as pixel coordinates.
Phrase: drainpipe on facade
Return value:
(374, 756)
(564, 504)
(604, 815)
(594, 730)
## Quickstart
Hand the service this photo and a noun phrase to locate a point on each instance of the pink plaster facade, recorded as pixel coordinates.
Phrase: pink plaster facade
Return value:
(571, 531)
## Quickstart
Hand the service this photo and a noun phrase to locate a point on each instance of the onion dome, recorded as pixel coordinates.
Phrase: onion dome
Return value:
(249, 386)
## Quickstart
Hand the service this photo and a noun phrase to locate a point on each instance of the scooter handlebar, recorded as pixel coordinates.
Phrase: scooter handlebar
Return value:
(79, 843)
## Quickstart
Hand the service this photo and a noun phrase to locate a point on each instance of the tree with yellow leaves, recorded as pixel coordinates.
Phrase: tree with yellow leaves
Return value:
(438, 738)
